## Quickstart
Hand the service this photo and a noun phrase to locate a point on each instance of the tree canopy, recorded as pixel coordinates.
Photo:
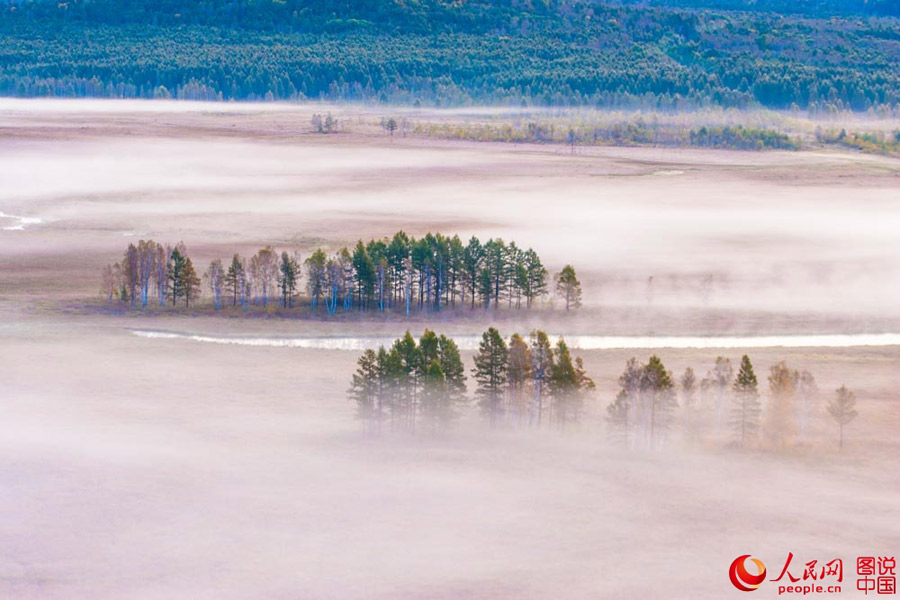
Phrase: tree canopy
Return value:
(670, 54)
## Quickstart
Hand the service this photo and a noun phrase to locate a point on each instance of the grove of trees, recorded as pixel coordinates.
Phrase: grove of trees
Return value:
(527, 382)
(151, 270)
(400, 274)
(722, 408)
(421, 385)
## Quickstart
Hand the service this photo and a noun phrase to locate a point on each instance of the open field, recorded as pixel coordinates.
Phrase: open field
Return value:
(145, 467)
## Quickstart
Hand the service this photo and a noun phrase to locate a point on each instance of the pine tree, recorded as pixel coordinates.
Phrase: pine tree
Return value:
(391, 126)
(542, 359)
(190, 282)
(496, 257)
(288, 273)
(491, 372)
(843, 410)
(176, 273)
(535, 276)
(408, 360)
(453, 368)
(436, 410)
(364, 270)
(234, 279)
(568, 382)
(485, 287)
(568, 287)
(519, 378)
(473, 255)
(658, 400)
(746, 409)
(365, 388)
(316, 276)
(618, 416)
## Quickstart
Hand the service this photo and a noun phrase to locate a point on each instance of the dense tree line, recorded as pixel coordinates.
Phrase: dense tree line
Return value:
(422, 16)
(441, 52)
(875, 142)
(413, 384)
(422, 385)
(722, 407)
(528, 382)
(624, 133)
(741, 138)
(399, 274)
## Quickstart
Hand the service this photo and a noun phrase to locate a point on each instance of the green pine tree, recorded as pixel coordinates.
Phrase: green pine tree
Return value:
(491, 370)
(746, 408)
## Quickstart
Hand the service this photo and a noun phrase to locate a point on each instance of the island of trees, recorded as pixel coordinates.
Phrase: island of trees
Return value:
(400, 274)
(422, 384)
(527, 382)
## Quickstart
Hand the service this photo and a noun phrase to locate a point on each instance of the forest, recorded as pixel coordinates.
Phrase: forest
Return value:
(530, 383)
(821, 56)
(399, 274)
(636, 133)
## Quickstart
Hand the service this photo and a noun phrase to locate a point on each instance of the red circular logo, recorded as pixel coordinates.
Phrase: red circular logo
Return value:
(743, 579)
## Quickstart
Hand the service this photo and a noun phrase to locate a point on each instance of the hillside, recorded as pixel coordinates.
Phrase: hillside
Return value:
(670, 54)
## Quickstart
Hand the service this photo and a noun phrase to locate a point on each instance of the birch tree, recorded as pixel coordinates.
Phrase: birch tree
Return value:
(215, 280)
(264, 268)
(108, 283)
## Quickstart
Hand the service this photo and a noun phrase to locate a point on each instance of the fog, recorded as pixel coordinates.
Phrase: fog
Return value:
(160, 454)
(584, 342)
(774, 231)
